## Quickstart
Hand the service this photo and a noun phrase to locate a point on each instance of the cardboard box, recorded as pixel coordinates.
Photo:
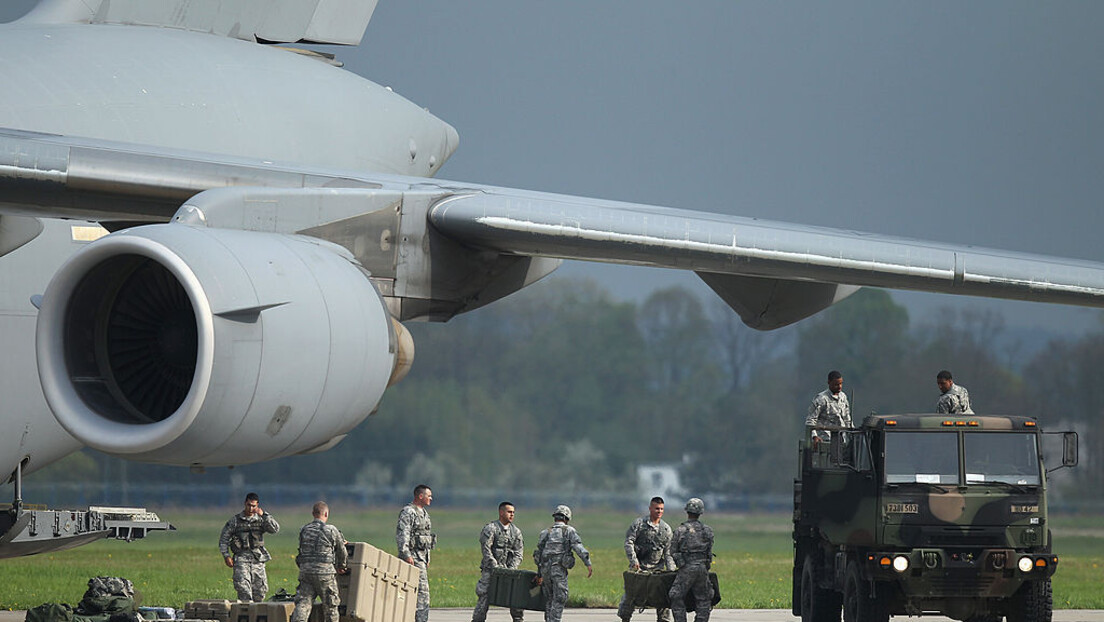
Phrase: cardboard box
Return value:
(515, 588)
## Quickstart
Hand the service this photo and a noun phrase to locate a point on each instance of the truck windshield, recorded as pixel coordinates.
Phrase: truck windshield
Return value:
(1004, 457)
(921, 457)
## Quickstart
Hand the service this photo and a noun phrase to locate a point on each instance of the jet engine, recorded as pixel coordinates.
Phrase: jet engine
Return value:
(194, 346)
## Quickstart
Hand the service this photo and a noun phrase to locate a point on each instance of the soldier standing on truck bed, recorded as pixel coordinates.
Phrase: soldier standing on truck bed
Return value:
(502, 546)
(242, 546)
(648, 547)
(415, 539)
(954, 399)
(321, 554)
(554, 556)
(692, 548)
(829, 408)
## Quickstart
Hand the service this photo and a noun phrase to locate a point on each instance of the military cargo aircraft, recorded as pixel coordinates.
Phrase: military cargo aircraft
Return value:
(248, 302)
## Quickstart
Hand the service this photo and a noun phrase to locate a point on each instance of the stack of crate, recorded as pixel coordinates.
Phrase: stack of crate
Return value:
(379, 587)
(262, 612)
(208, 610)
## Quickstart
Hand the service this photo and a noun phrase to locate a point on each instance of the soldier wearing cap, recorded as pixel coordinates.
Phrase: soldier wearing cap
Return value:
(243, 549)
(321, 554)
(692, 548)
(554, 556)
(502, 546)
(648, 547)
(415, 539)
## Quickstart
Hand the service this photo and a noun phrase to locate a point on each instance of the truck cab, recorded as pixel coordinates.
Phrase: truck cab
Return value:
(924, 514)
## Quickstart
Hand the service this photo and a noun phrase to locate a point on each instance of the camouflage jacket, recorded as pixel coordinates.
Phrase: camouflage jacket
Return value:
(414, 534)
(243, 537)
(956, 401)
(692, 544)
(502, 546)
(828, 409)
(649, 545)
(556, 546)
(321, 549)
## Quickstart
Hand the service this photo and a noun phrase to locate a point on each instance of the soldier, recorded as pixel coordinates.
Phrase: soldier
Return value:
(243, 549)
(415, 539)
(954, 399)
(554, 556)
(692, 548)
(321, 554)
(502, 546)
(829, 407)
(648, 547)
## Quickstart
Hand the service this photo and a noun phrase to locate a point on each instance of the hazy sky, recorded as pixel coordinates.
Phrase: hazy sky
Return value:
(977, 123)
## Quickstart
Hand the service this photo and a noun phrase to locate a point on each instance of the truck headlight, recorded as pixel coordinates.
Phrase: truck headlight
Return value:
(1026, 564)
(900, 563)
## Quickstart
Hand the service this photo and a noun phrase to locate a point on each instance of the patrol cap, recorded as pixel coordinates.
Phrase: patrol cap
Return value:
(695, 506)
(562, 510)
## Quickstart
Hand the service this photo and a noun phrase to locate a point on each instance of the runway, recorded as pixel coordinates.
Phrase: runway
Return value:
(610, 615)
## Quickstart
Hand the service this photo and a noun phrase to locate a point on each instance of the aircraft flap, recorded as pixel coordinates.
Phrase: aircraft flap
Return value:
(273, 21)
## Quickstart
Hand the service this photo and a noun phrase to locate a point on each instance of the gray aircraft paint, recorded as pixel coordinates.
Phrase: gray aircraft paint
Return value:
(323, 121)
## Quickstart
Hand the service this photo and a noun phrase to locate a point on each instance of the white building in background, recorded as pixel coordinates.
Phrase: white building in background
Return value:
(660, 480)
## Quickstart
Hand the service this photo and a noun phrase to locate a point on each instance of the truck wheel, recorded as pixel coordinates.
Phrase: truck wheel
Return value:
(1033, 602)
(817, 603)
(858, 604)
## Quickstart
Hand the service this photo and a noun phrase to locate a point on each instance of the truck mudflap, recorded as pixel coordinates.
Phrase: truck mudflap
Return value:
(948, 573)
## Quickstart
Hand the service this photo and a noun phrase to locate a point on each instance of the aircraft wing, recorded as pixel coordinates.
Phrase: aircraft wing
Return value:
(771, 273)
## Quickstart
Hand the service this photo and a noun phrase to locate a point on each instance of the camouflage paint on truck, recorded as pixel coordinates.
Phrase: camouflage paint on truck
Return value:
(916, 514)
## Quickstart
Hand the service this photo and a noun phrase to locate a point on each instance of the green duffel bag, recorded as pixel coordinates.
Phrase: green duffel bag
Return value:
(50, 612)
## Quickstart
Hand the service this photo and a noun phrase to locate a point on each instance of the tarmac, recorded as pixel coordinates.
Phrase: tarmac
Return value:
(610, 615)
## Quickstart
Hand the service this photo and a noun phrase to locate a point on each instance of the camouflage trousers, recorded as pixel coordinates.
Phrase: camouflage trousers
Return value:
(482, 604)
(324, 586)
(422, 613)
(691, 577)
(554, 588)
(250, 580)
(624, 611)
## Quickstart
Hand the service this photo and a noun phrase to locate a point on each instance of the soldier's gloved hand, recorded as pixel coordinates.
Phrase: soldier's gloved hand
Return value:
(590, 571)
(634, 566)
(229, 562)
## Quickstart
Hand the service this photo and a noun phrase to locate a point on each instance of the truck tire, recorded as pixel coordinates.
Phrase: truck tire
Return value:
(1033, 602)
(858, 604)
(817, 603)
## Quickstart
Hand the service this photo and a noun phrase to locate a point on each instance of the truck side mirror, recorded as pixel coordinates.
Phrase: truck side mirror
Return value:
(1069, 449)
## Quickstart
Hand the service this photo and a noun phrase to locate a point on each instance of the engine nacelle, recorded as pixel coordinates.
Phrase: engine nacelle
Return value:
(193, 346)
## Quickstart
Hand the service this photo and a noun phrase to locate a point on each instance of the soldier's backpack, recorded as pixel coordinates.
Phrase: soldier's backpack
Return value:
(557, 549)
(50, 612)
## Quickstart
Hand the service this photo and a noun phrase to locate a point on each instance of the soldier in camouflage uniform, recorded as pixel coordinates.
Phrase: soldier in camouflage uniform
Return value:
(242, 547)
(829, 408)
(692, 548)
(554, 556)
(321, 554)
(648, 547)
(502, 546)
(954, 398)
(415, 539)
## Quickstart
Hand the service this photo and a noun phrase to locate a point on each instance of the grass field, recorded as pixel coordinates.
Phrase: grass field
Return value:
(753, 559)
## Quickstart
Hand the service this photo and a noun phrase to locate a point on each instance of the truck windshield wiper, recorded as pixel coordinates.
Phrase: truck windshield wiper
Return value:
(1023, 488)
(927, 484)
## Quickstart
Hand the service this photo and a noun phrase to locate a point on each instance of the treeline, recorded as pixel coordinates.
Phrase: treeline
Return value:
(565, 388)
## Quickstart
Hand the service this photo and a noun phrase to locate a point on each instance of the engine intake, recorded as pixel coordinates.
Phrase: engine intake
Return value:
(195, 346)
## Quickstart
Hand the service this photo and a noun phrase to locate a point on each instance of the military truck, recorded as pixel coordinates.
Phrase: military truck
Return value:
(925, 514)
